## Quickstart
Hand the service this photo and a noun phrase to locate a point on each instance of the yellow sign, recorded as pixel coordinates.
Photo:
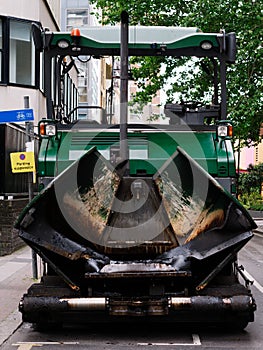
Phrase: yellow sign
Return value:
(23, 162)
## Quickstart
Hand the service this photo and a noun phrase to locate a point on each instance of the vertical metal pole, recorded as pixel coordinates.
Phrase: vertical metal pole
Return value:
(48, 84)
(238, 167)
(223, 89)
(29, 133)
(124, 151)
(215, 81)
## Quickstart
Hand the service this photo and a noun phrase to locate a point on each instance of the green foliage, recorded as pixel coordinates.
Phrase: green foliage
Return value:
(252, 201)
(245, 78)
(250, 187)
(144, 12)
(251, 181)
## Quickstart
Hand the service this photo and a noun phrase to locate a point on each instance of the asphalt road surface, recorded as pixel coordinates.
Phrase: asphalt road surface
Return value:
(157, 337)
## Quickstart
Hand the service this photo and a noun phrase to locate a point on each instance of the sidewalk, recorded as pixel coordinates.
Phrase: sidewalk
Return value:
(15, 278)
(258, 218)
(259, 229)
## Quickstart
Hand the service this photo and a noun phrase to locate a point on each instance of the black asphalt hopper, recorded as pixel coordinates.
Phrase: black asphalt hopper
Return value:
(107, 259)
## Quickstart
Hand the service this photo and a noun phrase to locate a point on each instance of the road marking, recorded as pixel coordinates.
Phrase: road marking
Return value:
(255, 283)
(10, 268)
(196, 341)
(29, 345)
(255, 233)
(25, 346)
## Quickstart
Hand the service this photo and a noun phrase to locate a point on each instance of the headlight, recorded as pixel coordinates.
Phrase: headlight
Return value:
(225, 130)
(222, 130)
(47, 128)
(206, 45)
(50, 130)
(63, 44)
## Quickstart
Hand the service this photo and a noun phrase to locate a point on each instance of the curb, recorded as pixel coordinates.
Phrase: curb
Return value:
(255, 214)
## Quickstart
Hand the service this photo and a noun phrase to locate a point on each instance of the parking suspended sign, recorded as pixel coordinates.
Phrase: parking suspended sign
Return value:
(16, 115)
(22, 162)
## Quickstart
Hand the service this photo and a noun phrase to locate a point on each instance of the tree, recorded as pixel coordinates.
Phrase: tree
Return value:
(245, 78)
(250, 186)
(252, 180)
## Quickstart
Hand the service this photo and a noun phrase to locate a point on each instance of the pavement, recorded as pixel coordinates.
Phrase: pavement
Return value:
(258, 218)
(16, 276)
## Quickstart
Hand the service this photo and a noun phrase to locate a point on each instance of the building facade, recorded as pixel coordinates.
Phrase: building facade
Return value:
(20, 65)
(78, 14)
(250, 155)
(20, 76)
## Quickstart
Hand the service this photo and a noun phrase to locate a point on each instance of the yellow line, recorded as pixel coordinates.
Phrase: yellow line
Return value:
(30, 344)
(25, 346)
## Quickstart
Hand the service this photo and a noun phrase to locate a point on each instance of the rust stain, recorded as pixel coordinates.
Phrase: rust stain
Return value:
(206, 221)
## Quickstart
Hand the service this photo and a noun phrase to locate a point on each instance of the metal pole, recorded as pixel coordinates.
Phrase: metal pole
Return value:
(223, 89)
(124, 151)
(29, 136)
(238, 167)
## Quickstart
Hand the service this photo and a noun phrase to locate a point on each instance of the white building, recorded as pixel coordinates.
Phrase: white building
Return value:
(20, 65)
(77, 14)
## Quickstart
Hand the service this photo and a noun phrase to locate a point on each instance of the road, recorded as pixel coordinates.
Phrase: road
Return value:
(157, 337)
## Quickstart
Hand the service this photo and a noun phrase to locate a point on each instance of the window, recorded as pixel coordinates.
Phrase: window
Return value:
(21, 54)
(18, 59)
(82, 81)
(70, 98)
(76, 18)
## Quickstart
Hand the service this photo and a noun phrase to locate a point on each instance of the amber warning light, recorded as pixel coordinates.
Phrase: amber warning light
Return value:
(75, 32)
(75, 35)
